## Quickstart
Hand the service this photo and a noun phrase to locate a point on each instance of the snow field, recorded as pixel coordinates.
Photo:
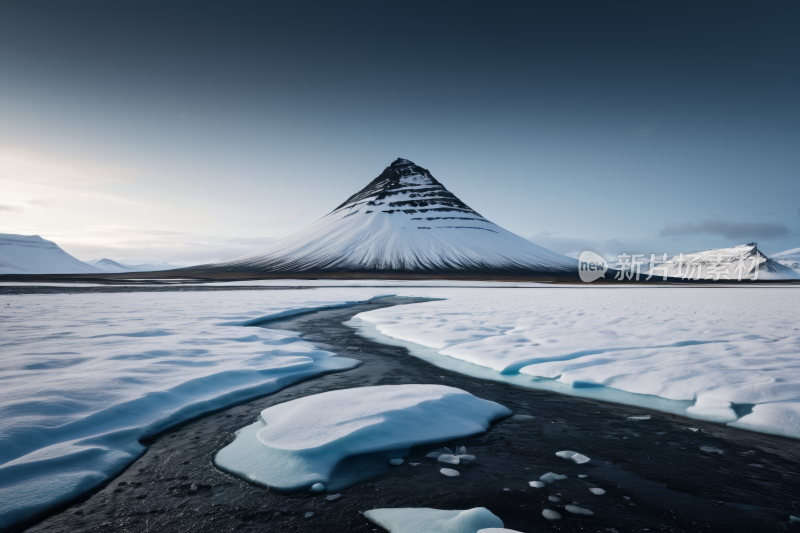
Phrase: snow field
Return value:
(300, 443)
(727, 355)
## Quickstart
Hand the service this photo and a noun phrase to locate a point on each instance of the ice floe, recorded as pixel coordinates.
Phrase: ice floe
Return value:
(578, 510)
(425, 520)
(578, 458)
(449, 472)
(597, 490)
(551, 477)
(301, 442)
(551, 515)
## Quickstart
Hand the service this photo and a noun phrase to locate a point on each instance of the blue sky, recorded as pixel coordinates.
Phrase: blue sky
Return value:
(194, 131)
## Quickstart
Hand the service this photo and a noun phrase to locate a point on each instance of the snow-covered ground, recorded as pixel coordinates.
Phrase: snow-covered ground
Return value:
(299, 444)
(85, 376)
(730, 355)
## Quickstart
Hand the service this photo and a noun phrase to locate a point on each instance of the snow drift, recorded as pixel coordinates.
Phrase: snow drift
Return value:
(736, 263)
(30, 254)
(300, 443)
(403, 221)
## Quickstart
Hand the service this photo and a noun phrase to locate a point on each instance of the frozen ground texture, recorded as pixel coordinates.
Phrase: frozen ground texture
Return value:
(424, 520)
(30, 254)
(729, 355)
(404, 220)
(85, 376)
(299, 443)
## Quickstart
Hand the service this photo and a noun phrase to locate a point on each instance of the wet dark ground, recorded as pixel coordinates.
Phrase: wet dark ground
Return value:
(658, 474)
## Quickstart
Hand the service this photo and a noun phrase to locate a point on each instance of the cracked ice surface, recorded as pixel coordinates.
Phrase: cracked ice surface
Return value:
(727, 355)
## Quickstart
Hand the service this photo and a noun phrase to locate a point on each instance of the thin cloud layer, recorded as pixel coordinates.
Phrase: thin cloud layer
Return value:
(728, 230)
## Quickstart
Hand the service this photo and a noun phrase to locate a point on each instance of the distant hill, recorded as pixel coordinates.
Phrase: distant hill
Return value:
(30, 254)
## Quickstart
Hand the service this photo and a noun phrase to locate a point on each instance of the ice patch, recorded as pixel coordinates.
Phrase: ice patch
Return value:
(597, 490)
(449, 472)
(639, 418)
(396, 462)
(711, 449)
(551, 515)
(578, 510)
(298, 443)
(536, 484)
(551, 477)
(424, 520)
(578, 458)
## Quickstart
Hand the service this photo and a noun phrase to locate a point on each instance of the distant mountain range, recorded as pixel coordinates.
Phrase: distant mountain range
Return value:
(109, 265)
(31, 254)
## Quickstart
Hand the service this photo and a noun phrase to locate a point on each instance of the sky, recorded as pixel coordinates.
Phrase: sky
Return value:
(198, 131)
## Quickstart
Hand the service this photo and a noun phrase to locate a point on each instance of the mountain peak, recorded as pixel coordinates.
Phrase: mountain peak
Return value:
(403, 221)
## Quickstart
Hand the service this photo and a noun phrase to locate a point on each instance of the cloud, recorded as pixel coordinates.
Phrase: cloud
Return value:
(253, 240)
(729, 230)
(11, 208)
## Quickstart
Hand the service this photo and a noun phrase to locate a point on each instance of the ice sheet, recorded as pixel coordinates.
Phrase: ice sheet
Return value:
(424, 520)
(708, 353)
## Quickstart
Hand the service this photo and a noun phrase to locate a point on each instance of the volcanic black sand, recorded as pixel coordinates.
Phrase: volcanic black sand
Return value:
(658, 474)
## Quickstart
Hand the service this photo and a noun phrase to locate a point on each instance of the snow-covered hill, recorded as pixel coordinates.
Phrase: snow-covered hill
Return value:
(789, 258)
(30, 254)
(404, 220)
(109, 265)
(739, 262)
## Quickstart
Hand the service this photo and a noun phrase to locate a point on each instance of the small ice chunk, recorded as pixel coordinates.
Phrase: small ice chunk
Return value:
(577, 510)
(308, 514)
(317, 487)
(467, 459)
(640, 417)
(415, 464)
(420, 519)
(627, 497)
(449, 472)
(582, 476)
(332, 497)
(552, 476)
(554, 499)
(597, 490)
(523, 418)
(435, 454)
(507, 489)
(445, 450)
(194, 487)
(461, 450)
(551, 515)
(536, 484)
(579, 458)
(448, 458)
(711, 449)
(694, 429)
(396, 462)
(793, 519)
(497, 530)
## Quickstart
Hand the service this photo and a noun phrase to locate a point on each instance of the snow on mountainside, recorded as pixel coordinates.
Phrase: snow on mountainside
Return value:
(738, 262)
(404, 220)
(30, 254)
(789, 258)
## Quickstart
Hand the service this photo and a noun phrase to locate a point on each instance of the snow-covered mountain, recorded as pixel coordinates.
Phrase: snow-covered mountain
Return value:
(739, 262)
(30, 254)
(789, 258)
(109, 265)
(403, 221)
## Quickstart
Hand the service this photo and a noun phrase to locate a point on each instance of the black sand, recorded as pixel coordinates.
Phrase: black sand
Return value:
(654, 472)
